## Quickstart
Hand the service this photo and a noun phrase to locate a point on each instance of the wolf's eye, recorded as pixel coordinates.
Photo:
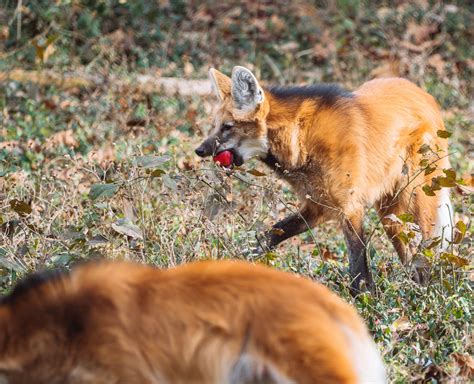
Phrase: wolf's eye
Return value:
(227, 126)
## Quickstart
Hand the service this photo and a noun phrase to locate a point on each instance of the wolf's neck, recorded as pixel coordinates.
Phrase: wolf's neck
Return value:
(285, 136)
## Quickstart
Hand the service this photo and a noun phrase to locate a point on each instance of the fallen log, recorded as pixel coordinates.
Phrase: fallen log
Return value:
(147, 84)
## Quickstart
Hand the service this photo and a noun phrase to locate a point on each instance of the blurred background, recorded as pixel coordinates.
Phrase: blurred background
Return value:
(102, 103)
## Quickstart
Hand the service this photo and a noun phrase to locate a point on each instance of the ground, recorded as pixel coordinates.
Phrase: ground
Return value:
(92, 171)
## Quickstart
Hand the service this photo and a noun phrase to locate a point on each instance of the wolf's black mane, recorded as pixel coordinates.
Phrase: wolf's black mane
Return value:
(32, 282)
(326, 93)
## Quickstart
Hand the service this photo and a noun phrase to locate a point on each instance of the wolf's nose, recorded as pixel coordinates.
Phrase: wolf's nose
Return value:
(200, 152)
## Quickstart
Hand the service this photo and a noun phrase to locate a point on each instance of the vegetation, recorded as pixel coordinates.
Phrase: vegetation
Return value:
(92, 172)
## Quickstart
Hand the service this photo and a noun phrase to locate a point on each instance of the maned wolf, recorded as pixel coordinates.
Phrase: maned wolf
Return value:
(208, 322)
(342, 152)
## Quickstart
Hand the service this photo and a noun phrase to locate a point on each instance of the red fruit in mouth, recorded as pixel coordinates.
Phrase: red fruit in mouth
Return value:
(224, 158)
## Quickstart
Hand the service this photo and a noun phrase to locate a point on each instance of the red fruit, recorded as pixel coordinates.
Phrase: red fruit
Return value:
(224, 158)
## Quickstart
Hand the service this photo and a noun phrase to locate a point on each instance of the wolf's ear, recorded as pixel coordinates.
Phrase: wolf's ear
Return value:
(246, 92)
(220, 83)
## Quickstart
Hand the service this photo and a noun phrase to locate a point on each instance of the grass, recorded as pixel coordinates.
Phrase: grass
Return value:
(92, 174)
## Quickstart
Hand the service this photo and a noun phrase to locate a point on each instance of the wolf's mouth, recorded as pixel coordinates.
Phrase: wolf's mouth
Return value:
(238, 160)
(236, 157)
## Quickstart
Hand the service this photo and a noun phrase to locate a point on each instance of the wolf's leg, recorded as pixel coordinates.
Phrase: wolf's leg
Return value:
(293, 225)
(355, 240)
(433, 214)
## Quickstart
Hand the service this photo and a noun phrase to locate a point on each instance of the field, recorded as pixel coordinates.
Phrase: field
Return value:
(94, 163)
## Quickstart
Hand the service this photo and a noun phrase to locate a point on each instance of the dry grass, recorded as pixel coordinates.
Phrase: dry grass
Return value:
(56, 144)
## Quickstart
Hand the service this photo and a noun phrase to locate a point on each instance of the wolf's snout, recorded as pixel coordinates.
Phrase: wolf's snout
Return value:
(207, 147)
(200, 151)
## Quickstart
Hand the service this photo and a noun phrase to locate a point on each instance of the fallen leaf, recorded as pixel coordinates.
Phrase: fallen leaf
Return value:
(388, 69)
(328, 255)
(420, 32)
(65, 138)
(103, 155)
(401, 324)
(151, 161)
(188, 69)
(98, 240)
(202, 15)
(126, 227)
(169, 182)
(465, 363)
(256, 173)
(20, 207)
(9, 145)
(8, 263)
(4, 33)
(436, 61)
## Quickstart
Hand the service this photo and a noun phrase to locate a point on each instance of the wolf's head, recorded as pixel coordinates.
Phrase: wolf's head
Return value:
(239, 117)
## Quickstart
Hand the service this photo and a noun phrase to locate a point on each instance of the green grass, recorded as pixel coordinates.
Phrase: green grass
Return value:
(182, 209)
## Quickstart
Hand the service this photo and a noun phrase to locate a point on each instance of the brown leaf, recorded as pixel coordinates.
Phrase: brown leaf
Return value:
(103, 155)
(188, 69)
(202, 15)
(9, 145)
(420, 33)
(328, 255)
(465, 363)
(121, 40)
(50, 104)
(402, 324)
(4, 33)
(429, 44)
(388, 69)
(277, 23)
(259, 24)
(136, 122)
(65, 138)
(436, 61)
(20, 207)
(256, 172)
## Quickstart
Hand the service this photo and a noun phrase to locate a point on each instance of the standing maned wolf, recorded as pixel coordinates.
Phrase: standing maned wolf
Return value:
(203, 323)
(342, 152)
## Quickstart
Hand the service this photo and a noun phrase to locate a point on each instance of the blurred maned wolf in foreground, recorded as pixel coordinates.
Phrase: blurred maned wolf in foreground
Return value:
(208, 322)
(342, 152)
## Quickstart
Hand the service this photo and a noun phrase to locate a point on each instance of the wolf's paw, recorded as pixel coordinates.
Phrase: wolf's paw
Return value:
(259, 250)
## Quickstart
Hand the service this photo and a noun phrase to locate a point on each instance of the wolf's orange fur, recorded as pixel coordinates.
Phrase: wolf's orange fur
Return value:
(209, 322)
(342, 152)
